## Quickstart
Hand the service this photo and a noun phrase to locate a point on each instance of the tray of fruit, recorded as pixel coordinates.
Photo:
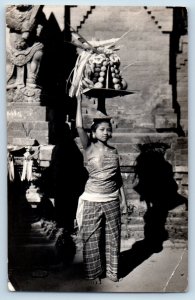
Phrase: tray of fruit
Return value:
(97, 73)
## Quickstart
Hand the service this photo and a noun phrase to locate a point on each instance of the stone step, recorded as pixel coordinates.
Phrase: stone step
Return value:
(34, 239)
(176, 243)
(21, 113)
(133, 129)
(132, 227)
(27, 126)
(128, 117)
(128, 125)
(178, 212)
(20, 141)
(177, 221)
(132, 139)
(135, 220)
(171, 221)
(125, 148)
(142, 137)
(128, 159)
(137, 235)
(165, 120)
(177, 232)
(129, 138)
(36, 137)
(25, 133)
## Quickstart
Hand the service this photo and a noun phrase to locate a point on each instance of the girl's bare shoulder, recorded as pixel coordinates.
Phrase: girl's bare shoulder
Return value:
(112, 149)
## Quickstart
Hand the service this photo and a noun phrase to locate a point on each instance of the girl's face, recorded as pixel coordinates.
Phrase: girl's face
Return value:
(103, 132)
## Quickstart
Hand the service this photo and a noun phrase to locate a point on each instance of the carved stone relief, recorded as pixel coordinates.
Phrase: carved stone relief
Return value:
(24, 52)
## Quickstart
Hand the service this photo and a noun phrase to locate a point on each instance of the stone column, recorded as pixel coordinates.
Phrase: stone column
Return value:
(26, 118)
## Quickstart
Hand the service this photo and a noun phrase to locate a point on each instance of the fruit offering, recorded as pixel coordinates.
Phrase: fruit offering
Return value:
(97, 67)
(103, 71)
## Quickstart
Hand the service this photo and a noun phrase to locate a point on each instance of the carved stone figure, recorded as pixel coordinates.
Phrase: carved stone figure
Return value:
(24, 52)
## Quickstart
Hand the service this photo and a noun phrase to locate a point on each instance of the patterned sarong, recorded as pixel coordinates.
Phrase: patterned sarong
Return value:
(101, 238)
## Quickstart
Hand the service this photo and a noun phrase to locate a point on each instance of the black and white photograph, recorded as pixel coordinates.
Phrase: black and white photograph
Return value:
(97, 148)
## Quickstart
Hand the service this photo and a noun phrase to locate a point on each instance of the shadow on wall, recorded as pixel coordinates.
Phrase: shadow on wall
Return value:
(57, 62)
(157, 187)
(65, 179)
(53, 62)
(180, 28)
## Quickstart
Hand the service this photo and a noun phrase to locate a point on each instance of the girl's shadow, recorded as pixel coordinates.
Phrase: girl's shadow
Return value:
(157, 187)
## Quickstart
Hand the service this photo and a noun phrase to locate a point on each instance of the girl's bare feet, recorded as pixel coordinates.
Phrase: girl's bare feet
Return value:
(94, 281)
(112, 277)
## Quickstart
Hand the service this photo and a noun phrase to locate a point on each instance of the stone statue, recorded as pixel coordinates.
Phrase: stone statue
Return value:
(24, 52)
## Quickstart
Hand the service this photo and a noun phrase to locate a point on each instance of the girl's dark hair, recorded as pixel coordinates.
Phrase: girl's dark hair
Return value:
(95, 124)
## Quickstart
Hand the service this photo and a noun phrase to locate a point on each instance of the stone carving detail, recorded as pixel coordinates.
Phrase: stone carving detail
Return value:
(24, 52)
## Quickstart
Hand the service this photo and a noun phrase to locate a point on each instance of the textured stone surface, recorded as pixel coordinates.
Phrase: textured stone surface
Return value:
(25, 113)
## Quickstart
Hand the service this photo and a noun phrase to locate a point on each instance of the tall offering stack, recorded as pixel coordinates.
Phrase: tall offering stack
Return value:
(97, 67)
(103, 71)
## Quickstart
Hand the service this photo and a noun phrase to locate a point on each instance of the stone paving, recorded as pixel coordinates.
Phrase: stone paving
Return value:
(165, 271)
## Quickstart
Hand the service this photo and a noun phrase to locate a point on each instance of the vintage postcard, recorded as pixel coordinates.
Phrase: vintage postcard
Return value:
(97, 148)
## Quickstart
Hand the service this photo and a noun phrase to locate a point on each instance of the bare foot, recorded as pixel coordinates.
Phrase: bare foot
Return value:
(94, 281)
(112, 277)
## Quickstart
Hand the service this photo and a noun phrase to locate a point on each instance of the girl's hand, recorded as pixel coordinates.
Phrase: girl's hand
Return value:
(123, 207)
(79, 98)
(123, 202)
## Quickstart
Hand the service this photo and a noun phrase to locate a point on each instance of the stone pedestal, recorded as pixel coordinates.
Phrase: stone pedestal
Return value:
(27, 124)
(40, 247)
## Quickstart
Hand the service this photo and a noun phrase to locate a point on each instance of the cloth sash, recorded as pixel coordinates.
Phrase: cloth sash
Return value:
(93, 197)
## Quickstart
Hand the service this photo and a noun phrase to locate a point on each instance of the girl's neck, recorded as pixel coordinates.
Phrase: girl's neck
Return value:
(101, 145)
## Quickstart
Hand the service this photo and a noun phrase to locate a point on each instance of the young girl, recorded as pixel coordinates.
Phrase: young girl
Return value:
(99, 209)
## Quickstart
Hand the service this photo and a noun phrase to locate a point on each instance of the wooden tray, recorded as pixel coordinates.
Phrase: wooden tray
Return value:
(106, 93)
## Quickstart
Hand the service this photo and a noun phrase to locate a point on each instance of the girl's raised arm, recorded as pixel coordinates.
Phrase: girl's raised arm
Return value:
(79, 124)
